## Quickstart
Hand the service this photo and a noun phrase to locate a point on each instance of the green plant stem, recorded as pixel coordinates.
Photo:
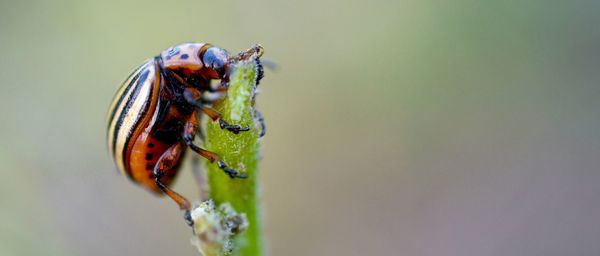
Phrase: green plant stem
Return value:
(239, 151)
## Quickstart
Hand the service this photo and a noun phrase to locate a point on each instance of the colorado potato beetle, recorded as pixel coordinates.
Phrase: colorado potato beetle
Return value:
(153, 116)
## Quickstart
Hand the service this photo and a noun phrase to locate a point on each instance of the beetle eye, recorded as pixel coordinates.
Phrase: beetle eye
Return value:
(215, 58)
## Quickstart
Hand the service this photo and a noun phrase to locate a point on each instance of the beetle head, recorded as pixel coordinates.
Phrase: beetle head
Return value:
(216, 58)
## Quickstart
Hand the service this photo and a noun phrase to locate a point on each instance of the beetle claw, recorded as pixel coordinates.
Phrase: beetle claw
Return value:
(187, 216)
(231, 172)
(235, 128)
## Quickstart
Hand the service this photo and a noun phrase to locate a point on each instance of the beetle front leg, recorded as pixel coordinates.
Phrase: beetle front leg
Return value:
(166, 162)
(192, 96)
(190, 128)
(214, 115)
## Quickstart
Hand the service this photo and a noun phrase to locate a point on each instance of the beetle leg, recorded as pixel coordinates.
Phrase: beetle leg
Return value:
(166, 162)
(189, 130)
(200, 176)
(214, 115)
(212, 157)
(192, 96)
(261, 121)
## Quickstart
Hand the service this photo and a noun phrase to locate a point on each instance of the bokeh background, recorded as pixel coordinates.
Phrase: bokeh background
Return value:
(394, 127)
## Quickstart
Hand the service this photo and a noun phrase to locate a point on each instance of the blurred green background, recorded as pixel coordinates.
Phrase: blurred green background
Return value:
(394, 127)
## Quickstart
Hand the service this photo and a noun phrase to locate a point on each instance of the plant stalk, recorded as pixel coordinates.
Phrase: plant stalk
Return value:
(240, 151)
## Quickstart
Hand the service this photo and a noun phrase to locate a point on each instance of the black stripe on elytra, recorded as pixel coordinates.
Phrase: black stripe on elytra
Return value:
(119, 104)
(135, 73)
(144, 109)
(139, 83)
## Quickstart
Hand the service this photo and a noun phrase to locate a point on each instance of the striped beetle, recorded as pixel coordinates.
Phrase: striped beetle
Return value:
(153, 116)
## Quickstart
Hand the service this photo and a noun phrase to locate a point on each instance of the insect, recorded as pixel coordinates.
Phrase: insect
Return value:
(153, 116)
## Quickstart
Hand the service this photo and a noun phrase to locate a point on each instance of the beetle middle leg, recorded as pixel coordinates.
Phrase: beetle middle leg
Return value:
(167, 161)
(189, 130)
(193, 96)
